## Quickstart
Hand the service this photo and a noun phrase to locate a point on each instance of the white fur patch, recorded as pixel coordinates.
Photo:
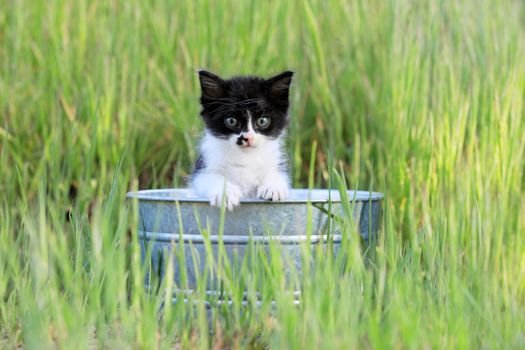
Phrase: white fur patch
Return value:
(232, 172)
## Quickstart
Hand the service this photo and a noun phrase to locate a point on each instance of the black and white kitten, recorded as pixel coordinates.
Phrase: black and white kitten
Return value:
(241, 152)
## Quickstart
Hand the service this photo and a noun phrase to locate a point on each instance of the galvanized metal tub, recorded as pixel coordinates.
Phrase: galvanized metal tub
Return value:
(173, 218)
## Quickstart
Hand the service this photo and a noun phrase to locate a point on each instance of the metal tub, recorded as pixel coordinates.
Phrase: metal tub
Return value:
(176, 220)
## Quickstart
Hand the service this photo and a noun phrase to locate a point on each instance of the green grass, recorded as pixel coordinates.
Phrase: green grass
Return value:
(422, 100)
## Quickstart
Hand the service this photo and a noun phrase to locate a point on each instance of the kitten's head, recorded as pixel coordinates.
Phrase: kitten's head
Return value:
(245, 111)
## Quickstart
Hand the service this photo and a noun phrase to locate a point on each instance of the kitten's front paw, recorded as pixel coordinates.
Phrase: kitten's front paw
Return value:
(275, 190)
(231, 195)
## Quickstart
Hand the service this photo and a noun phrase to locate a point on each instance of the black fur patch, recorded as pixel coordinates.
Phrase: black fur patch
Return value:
(199, 165)
(240, 140)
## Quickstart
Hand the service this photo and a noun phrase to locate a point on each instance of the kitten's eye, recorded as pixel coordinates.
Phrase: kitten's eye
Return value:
(262, 122)
(231, 122)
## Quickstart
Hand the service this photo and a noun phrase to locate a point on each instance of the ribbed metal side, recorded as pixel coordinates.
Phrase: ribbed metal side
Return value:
(176, 227)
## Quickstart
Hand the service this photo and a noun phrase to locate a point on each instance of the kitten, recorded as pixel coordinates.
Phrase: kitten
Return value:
(241, 152)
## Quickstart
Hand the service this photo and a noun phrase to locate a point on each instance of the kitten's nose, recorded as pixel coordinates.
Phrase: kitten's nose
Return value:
(249, 139)
(245, 140)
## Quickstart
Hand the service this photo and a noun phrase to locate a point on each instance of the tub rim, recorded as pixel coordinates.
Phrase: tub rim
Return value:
(151, 195)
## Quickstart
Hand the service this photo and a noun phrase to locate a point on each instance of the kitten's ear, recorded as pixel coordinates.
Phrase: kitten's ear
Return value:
(212, 86)
(278, 87)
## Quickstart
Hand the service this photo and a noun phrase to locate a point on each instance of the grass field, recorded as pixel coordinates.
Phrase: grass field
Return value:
(422, 100)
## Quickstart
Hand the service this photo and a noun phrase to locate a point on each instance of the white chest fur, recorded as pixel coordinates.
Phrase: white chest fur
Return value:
(244, 167)
(231, 172)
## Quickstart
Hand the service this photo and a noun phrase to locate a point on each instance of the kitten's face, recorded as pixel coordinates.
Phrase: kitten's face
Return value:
(245, 111)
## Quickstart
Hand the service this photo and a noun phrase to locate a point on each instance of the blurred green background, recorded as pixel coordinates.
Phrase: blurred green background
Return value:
(422, 100)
